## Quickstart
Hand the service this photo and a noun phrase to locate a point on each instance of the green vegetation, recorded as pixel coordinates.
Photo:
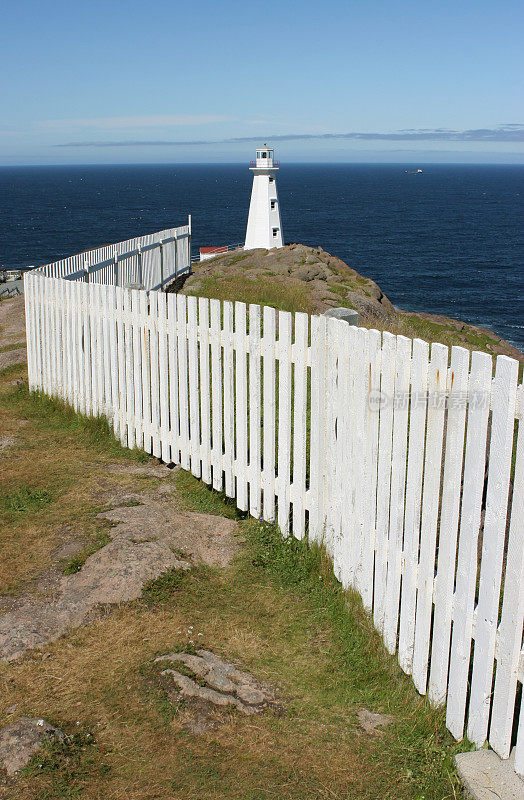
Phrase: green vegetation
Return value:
(196, 496)
(262, 290)
(23, 500)
(76, 563)
(276, 610)
(65, 768)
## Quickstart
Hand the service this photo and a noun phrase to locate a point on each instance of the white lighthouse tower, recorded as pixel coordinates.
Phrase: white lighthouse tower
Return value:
(264, 228)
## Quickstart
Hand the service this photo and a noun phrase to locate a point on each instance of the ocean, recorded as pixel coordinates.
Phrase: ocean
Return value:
(447, 241)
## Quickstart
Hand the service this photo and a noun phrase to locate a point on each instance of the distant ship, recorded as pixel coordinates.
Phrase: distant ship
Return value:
(413, 171)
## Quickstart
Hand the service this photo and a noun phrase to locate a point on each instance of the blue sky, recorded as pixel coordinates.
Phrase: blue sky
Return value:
(359, 80)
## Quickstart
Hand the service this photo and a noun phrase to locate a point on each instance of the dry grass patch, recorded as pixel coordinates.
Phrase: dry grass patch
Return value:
(275, 611)
(53, 481)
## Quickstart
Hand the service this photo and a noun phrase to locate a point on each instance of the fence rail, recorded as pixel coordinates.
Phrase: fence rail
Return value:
(406, 460)
(151, 261)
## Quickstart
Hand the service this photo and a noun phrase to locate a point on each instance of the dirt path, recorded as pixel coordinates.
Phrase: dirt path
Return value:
(12, 332)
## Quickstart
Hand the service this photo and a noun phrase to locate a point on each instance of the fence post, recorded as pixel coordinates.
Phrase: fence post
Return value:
(161, 245)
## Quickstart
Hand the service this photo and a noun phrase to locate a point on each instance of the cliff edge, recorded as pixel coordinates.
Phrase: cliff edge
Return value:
(301, 278)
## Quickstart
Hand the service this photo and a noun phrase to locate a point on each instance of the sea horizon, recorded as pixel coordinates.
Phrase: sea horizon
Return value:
(446, 242)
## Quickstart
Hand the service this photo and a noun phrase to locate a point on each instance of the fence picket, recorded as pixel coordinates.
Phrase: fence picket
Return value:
(183, 392)
(194, 386)
(385, 443)
(165, 452)
(269, 406)
(137, 370)
(465, 581)
(240, 340)
(129, 379)
(373, 344)
(174, 418)
(298, 487)
(510, 629)
(284, 419)
(417, 436)
(255, 464)
(155, 374)
(100, 355)
(216, 394)
(437, 384)
(449, 521)
(205, 394)
(317, 444)
(229, 410)
(397, 491)
(500, 453)
(347, 464)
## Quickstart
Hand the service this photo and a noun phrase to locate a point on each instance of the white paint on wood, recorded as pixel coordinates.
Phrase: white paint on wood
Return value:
(510, 628)
(229, 399)
(449, 522)
(269, 406)
(399, 513)
(284, 418)
(205, 391)
(241, 432)
(255, 421)
(298, 491)
(397, 491)
(437, 383)
(417, 436)
(493, 540)
(216, 394)
(466, 577)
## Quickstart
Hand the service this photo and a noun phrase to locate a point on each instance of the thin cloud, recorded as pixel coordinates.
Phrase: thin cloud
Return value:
(142, 121)
(512, 132)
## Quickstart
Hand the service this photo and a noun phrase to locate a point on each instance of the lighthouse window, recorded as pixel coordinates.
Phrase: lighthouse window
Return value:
(275, 231)
(271, 179)
(264, 155)
(273, 204)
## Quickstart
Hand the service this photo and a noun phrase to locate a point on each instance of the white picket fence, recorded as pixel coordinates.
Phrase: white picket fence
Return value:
(403, 459)
(151, 261)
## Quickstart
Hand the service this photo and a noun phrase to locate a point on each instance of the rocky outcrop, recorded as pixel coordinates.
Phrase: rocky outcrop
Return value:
(150, 535)
(313, 280)
(21, 740)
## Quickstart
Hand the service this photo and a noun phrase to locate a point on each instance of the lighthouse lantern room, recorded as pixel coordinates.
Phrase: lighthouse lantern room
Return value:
(264, 227)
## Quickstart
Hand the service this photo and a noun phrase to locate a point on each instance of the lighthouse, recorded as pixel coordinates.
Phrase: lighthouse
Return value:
(264, 228)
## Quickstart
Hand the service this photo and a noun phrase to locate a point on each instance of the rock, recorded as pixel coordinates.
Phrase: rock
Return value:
(369, 721)
(221, 683)
(311, 272)
(148, 539)
(346, 314)
(485, 776)
(22, 739)
(6, 442)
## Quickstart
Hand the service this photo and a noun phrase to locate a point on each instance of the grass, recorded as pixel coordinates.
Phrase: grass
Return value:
(23, 500)
(267, 291)
(14, 346)
(49, 482)
(277, 611)
(63, 768)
